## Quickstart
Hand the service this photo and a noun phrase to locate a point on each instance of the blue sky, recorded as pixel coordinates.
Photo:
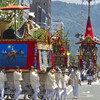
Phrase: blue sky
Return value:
(77, 1)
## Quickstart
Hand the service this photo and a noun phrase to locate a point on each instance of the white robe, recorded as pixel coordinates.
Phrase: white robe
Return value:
(17, 79)
(34, 28)
(3, 78)
(84, 64)
(65, 80)
(75, 75)
(34, 79)
(50, 83)
(58, 77)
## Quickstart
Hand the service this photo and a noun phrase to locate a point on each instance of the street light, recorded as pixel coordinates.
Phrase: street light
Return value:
(68, 54)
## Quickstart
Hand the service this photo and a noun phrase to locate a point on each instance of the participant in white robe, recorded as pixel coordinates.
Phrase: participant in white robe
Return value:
(58, 76)
(3, 79)
(64, 81)
(17, 82)
(34, 79)
(50, 85)
(75, 75)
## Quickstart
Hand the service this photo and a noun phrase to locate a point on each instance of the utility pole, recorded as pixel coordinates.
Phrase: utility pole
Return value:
(82, 16)
(89, 1)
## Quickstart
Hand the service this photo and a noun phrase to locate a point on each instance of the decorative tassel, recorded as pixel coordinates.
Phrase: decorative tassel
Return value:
(49, 41)
(44, 36)
(58, 41)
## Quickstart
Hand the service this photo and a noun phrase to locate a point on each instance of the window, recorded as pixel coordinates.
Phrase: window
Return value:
(45, 3)
(31, 1)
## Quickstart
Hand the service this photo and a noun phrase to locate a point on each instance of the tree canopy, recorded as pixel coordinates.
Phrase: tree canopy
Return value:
(9, 15)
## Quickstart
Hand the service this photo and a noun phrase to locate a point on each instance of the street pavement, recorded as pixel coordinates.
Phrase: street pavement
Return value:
(86, 92)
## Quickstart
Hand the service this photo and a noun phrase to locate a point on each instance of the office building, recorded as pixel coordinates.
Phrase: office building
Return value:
(56, 25)
(42, 9)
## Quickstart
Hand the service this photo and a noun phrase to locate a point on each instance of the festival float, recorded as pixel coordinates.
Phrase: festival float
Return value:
(61, 49)
(24, 52)
(88, 49)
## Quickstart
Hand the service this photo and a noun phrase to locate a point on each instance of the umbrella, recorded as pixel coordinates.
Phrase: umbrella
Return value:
(54, 37)
(15, 7)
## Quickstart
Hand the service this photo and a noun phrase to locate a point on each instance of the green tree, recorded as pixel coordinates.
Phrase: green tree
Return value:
(9, 15)
(39, 34)
(74, 60)
(63, 39)
(98, 66)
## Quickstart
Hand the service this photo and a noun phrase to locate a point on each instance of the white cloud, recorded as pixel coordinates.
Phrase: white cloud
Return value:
(78, 1)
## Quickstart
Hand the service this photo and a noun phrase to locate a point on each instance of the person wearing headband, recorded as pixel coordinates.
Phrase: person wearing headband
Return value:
(50, 84)
(64, 81)
(17, 81)
(58, 76)
(75, 75)
(3, 79)
(34, 79)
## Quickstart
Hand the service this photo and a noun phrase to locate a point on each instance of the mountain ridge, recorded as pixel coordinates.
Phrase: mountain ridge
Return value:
(79, 2)
(70, 14)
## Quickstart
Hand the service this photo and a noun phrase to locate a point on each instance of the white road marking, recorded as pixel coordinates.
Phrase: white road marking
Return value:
(87, 85)
(93, 83)
(86, 92)
(69, 89)
(89, 95)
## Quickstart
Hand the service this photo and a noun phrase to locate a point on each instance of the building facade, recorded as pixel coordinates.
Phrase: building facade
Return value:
(42, 9)
(56, 25)
(25, 3)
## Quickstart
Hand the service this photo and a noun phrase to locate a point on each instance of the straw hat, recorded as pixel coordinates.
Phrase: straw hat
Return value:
(31, 14)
